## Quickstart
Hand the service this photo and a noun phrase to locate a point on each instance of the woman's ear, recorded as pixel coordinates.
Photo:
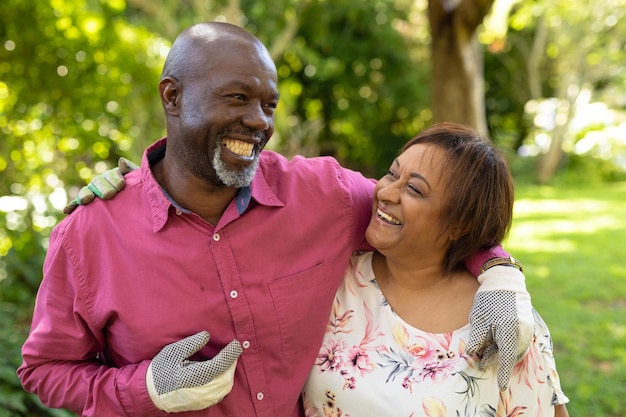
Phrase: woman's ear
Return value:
(169, 91)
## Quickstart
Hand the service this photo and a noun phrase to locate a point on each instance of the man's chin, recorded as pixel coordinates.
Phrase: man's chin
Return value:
(238, 179)
(234, 172)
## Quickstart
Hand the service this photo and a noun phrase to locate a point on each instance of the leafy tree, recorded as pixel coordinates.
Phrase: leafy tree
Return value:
(546, 79)
(357, 93)
(69, 73)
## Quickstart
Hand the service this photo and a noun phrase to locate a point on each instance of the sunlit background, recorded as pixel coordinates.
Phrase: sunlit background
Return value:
(78, 89)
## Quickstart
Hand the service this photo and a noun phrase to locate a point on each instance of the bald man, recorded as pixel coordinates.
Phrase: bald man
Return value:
(206, 285)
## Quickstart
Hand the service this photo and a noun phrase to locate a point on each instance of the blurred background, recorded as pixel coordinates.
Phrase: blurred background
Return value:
(545, 79)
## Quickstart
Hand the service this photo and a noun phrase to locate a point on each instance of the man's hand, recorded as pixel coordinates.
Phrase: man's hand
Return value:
(176, 383)
(104, 186)
(502, 320)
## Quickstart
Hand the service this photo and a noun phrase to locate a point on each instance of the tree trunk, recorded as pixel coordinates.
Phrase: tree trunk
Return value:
(458, 93)
(567, 93)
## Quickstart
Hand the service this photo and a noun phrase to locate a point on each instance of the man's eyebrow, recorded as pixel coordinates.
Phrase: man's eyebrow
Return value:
(246, 87)
(237, 84)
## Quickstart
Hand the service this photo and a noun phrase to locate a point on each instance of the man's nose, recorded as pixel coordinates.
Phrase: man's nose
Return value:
(256, 118)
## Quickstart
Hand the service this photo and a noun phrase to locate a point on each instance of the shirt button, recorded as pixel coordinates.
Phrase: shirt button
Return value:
(260, 396)
(234, 294)
(216, 237)
(178, 212)
(245, 344)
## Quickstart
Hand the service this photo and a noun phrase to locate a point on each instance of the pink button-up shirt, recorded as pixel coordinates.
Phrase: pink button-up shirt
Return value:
(125, 277)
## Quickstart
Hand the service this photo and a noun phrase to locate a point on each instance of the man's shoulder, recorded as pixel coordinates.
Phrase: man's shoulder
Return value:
(99, 209)
(322, 172)
(324, 168)
(269, 158)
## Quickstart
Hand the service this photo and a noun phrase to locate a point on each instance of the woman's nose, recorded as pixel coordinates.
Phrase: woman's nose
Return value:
(389, 192)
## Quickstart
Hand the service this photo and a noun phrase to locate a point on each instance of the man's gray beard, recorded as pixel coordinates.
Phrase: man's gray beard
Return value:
(230, 178)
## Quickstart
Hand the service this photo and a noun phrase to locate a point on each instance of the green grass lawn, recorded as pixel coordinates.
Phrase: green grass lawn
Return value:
(572, 243)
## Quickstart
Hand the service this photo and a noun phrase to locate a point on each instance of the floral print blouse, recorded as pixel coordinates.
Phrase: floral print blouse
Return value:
(372, 363)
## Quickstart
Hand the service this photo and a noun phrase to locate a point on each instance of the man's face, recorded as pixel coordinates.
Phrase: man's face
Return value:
(226, 114)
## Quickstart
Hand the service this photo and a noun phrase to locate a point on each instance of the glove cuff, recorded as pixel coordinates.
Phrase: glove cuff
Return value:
(152, 392)
(502, 278)
(192, 398)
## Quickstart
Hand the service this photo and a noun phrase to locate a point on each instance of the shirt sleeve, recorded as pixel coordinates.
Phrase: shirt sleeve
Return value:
(475, 261)
(61, 359)
(360, 193)
(545, 340)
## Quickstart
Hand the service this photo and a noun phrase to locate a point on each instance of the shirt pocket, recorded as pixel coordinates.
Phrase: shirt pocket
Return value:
(303, 302)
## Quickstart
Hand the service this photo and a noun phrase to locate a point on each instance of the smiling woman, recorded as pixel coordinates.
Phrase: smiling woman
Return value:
(396, 339)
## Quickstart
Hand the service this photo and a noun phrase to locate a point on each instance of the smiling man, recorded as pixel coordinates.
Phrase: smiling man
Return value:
(219, 109)
(210, 235)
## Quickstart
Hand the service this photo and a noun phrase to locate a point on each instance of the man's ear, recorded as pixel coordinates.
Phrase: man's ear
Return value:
(170, 95)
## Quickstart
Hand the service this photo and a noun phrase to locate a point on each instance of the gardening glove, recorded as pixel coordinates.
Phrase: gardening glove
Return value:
(104, 186)
(501, 319)
(176, 383)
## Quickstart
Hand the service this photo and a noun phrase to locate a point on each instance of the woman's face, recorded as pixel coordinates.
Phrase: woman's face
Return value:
(408, 202)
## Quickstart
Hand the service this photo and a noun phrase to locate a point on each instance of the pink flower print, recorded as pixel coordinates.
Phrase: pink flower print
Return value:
(359, 360)
(424, 353)
(330, 357)
(505, 408)
(472, 360)
(419, 352)
(407, 383)
(440, 368)
(531, 366)
(349, 383)
(339, 319)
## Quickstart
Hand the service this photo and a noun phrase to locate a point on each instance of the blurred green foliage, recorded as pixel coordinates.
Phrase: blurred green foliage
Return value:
(69, 72)
(572, 240)
(78, 89)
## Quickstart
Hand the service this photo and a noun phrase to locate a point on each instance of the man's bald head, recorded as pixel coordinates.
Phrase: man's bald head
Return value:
(219, 92)
(195, 47)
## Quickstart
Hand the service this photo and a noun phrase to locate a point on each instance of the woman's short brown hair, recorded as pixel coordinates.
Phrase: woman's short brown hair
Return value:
(479, 191)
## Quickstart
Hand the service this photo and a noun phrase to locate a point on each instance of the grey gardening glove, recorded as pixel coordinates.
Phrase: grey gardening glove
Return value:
(104, 186)
(502, 322)
(176, 383)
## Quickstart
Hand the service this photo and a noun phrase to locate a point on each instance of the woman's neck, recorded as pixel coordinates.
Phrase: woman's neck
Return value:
(423, 295)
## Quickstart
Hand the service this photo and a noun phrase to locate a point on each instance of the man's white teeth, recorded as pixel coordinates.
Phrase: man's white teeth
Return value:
(239, 147)
(388, 218)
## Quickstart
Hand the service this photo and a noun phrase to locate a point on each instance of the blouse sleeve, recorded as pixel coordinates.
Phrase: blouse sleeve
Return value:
(545, 341)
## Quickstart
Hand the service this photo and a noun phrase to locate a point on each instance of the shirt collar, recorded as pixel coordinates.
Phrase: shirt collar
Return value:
(160, 201)
(260, 188)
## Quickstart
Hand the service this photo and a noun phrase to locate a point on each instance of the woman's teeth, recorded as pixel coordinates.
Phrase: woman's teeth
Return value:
(388, 218)
(238, 147)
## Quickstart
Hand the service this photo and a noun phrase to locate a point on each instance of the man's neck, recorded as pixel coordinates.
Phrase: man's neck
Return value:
(206, 200)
